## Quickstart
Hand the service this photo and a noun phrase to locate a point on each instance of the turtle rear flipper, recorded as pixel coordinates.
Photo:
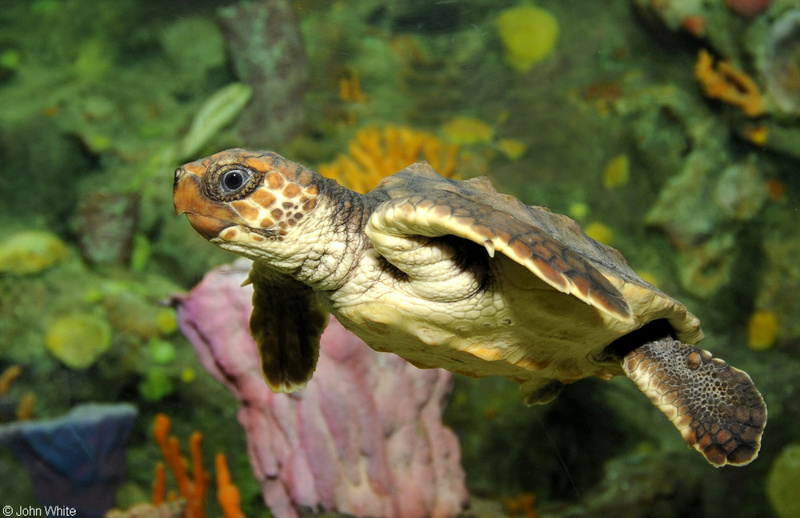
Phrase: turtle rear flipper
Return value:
(286, 324)
(716, 407)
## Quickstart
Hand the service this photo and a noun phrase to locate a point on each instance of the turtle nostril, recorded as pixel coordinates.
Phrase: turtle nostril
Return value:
(178, 175)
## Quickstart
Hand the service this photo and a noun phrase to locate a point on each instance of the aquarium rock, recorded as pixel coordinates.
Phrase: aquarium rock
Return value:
(782, 60)
(703, 207)
(364, 437)
(106, 223)
(77, 460)
(266, 48)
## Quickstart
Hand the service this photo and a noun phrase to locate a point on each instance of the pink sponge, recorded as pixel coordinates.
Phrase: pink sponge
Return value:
(365, 436)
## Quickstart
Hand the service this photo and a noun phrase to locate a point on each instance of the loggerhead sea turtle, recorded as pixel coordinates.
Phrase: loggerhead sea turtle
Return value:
(453, 274)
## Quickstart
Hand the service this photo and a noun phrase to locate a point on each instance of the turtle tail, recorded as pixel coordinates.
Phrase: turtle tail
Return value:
(716, 407)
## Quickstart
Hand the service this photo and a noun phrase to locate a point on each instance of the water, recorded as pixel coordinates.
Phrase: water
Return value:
(594, 109)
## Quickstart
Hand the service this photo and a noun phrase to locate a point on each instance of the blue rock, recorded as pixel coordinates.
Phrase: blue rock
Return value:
(77, 460)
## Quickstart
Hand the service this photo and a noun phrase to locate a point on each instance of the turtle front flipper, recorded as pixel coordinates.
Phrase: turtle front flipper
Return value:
(286, 324)
(400, 230)
(716, 407)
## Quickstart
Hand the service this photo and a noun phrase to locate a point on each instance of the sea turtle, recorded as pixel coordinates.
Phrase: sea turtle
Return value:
(453, 274)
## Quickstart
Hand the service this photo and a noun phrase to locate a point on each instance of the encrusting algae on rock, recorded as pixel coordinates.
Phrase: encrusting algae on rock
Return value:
(30, 252)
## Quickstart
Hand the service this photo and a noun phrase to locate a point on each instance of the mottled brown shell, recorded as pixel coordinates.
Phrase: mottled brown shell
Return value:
(552, 246)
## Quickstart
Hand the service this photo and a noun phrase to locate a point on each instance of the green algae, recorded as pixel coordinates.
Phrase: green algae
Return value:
(219, 110)
(161, 351)
(156, 385)
(782, 482)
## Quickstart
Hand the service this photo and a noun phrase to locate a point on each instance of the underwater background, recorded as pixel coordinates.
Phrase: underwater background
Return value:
(669, 129)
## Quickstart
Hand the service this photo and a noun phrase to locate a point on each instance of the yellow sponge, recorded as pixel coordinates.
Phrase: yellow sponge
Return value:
(528, 33)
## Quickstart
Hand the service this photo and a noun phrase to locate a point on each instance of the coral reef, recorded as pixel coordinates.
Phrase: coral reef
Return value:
(375, 153)
(76, 460)
(347, 441)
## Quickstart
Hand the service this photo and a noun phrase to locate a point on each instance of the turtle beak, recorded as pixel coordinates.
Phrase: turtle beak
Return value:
(208, 218)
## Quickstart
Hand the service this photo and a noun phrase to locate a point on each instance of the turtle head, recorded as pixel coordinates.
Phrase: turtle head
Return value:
(243, 200)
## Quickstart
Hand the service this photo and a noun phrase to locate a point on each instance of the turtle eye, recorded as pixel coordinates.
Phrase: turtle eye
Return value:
(232, 180)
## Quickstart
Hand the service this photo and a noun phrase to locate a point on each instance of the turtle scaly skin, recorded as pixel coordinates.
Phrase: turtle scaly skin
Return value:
(452, 274)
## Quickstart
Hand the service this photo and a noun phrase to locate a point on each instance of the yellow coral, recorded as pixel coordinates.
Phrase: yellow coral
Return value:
(528, 33)
(376, 153)
(762, 330)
